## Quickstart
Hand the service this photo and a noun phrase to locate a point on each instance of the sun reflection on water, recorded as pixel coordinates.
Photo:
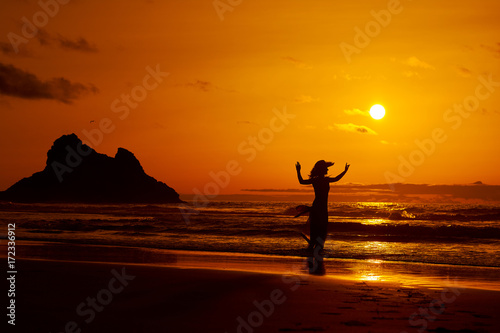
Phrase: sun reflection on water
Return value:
(375, 261)
(374, 245)
(370, 277)
(374, 221)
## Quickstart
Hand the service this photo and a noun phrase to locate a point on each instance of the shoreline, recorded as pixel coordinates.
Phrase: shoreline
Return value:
(408, 273)
(65, 296)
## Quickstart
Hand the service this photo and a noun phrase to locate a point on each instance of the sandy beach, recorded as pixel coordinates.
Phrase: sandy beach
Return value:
(166, 292)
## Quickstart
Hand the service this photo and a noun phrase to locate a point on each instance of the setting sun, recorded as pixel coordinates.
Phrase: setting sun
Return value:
(377, 111)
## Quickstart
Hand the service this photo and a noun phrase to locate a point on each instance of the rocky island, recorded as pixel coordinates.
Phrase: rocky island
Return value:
(74, 172)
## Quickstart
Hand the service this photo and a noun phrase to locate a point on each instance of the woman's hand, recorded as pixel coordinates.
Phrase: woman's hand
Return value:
(297, 166)
(347, 167)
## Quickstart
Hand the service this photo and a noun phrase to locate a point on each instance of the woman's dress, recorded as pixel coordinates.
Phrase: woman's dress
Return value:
(318, 216)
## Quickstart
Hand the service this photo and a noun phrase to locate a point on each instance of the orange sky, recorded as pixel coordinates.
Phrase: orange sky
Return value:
(226, 76)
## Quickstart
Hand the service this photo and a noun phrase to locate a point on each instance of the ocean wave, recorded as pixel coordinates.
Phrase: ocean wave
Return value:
(417, 232)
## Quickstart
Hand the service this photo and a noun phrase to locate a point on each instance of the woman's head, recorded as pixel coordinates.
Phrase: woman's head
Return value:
(320, 169)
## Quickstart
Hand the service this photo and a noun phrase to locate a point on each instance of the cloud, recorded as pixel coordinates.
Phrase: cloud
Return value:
(462, 71)
(305, 99)
(354, 128)
(476, 192)
(290, 190)
(8, 50)
(201, 85)
(412, 74)
(357, 112)
(46, 39)
(297, 63)
(415, 62)
(495, 49)
(206, 86)
(80, 44)
(19, 83)
(385, 142)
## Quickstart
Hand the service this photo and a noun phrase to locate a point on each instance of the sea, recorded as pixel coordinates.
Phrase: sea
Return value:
(449, 234)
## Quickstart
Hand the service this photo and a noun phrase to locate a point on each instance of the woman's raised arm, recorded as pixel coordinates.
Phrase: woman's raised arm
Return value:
(299, 176)
(339, 177)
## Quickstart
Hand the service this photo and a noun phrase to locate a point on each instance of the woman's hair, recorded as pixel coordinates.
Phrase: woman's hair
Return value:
(320, 169)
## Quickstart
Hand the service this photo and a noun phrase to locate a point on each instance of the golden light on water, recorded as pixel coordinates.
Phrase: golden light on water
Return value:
(375, 261)
(376, 246)
(374, 221)
(371, 277)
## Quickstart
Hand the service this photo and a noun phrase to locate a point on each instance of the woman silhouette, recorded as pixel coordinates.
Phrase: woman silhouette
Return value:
(318, 215)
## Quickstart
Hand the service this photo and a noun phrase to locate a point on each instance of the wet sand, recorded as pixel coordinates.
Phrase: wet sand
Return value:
(142, 290)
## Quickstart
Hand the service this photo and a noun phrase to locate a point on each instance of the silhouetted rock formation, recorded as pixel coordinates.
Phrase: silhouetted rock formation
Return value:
(74, 172)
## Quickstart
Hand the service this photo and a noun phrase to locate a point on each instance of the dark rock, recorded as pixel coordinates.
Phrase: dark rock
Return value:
(74, 172)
